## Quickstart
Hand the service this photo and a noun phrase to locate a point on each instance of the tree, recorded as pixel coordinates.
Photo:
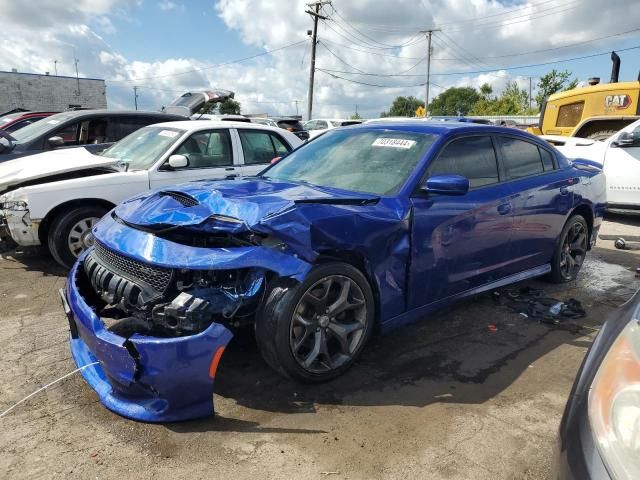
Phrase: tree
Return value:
(486, 90)
(454, 101)
(552, 82)
(512, 101)
(355, 116)
(229, 107)
(403, 107)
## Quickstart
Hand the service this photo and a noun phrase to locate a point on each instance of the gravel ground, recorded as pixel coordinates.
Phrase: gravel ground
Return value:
(445, 398)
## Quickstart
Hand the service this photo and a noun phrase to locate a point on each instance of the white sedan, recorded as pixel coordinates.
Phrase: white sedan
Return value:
(319, 125)
(55, 198)
(619, 156)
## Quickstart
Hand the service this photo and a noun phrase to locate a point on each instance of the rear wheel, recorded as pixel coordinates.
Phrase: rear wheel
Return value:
(570, 251)
(315, 330)
(70, 233)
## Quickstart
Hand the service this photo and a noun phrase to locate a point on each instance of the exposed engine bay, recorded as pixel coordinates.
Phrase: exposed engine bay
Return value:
(132, 297)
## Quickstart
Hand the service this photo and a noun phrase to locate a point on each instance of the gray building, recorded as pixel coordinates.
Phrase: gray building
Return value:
(51, 93)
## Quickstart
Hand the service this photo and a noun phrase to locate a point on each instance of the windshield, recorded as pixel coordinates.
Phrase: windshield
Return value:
(144, 147)
(371, 161)
(30, 132)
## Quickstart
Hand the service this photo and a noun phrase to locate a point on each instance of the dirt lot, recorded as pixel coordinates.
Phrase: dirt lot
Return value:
(446, 398)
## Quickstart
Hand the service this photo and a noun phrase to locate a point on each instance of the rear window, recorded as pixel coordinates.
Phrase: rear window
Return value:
(471, 157)
(293, 124)
(570, 115)
(522, 159)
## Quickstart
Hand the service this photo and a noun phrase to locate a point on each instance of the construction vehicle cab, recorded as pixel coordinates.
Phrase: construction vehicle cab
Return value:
(595, 111)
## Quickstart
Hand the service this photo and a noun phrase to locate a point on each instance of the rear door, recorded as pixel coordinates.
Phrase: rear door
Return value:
(210, 155)
(258, 148)
(622, 170)
(460, 243)
(542, 197)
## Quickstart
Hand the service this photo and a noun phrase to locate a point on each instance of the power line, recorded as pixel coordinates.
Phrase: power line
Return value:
(340, 59)
(508, 12)
(209, 67)
(373, 84)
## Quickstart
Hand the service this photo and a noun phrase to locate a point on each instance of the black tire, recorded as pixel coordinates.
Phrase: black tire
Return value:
(601, 134)
(570, 251)
(277, 332)
(61, 230)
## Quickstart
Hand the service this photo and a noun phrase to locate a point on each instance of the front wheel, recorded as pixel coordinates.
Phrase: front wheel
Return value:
(70, 233)
(315, 330)
(570, 251)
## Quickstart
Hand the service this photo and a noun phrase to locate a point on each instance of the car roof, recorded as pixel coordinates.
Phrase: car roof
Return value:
(104, 111)
(192, 125)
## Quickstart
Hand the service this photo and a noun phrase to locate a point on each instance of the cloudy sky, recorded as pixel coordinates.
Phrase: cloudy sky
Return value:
(169, 46)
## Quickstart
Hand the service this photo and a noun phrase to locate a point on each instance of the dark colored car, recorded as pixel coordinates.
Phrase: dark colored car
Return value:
(367, 227)
(599, 434)
(294, 126)
(93, 129)
(17, 120)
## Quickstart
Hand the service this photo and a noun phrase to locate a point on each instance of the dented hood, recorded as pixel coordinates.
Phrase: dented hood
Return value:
(238, 206)
(27, 169)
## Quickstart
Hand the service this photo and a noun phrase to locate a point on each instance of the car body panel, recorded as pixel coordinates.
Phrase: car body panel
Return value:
(418, 253)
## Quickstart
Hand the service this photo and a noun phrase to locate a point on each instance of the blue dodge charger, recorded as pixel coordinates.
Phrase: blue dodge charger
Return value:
(364, 228)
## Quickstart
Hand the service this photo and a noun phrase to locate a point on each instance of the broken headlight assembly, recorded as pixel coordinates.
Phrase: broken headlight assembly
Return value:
(14, 205)
(614, 405)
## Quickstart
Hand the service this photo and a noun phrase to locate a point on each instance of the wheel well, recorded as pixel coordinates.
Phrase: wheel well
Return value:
(356, 260)
(594, 126)
(45, 225)
(586, 212)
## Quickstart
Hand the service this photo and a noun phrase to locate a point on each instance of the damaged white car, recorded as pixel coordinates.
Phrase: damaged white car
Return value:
(55, 198)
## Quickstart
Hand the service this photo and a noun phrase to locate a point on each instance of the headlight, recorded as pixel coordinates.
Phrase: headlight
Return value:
(614, 405)
(15, 205)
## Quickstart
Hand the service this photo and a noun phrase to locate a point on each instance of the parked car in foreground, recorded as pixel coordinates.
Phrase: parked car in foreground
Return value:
(93, 129)
(220, 117)
(370, 226)
(619, 156)
(55, 198)
(17, 120)
(599, 434)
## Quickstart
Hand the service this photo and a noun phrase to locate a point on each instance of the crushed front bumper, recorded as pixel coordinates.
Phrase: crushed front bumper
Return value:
(144, 378)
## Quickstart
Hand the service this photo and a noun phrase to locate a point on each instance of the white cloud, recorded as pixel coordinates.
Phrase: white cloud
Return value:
(53, 29)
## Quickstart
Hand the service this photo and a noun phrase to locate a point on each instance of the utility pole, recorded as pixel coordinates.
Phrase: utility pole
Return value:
(428, 33)
(55, 66)
(314, 40)
(135, 96)
(75, 60)
(529, 94)
(296, 102)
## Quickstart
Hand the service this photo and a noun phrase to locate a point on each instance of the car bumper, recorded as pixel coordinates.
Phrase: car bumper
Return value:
(144, 378)
(19, 226)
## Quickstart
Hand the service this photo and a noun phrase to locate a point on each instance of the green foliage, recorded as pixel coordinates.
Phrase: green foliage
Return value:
(229, 107)
(403, 107)
(552, 82)
(355, 116)
(454, 101)
(512, 101)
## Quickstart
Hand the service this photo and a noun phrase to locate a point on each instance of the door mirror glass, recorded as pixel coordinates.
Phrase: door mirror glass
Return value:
(56, 141)
(447, 185)
(178, 161)
(626, 139)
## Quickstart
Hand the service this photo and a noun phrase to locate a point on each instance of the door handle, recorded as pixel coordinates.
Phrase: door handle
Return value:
(230, 168)
(504, 208)
(564, 190)
(232, 176)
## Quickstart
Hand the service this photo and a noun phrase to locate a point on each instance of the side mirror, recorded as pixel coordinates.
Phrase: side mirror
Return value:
(625, 139)
(446, 185)
(56, 141)
(178, 161)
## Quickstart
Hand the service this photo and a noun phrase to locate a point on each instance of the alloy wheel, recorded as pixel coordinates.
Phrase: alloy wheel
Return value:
(574, 249)
(328, 324)
(80, 237)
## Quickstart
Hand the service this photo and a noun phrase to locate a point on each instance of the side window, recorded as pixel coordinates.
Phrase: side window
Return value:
(321, 125)
(281, 147)
(521, 158)
(208, 149)
(94, 132)
(471, 157)
(310, 125)
(259, 146)
(20, 124)
(547, 160)
(68, 133)
(123, 126)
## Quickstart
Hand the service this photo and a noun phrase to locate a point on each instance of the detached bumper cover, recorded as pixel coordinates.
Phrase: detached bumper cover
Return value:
(144, 378)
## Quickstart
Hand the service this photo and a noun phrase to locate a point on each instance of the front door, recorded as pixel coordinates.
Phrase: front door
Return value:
(460, 243)
(210, 155)
(622, 170)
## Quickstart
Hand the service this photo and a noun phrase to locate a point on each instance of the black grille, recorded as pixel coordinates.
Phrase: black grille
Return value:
(184, 199)
(156, 277)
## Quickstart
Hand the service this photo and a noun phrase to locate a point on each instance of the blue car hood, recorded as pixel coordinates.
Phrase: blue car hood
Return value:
(286, 210)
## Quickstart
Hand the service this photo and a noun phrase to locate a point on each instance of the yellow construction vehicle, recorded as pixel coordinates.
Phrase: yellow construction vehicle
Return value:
(596, 111)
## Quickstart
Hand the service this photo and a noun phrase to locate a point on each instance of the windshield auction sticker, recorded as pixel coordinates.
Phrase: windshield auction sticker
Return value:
(168, 133)
(393, 143)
